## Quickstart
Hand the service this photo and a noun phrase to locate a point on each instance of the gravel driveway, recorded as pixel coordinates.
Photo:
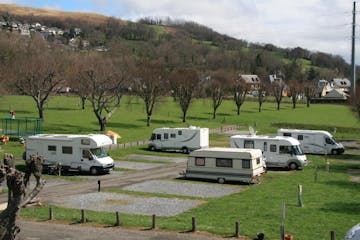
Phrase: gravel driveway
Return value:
(157, 158)
(112, 202)
(204, 190)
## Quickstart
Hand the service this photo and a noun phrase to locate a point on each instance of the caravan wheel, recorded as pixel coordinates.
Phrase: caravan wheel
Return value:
(185, 150)
(93, 171)
(293, 166)
(152, 148)
(221, 180)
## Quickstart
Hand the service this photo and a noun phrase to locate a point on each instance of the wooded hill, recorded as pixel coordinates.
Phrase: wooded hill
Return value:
(167, 35)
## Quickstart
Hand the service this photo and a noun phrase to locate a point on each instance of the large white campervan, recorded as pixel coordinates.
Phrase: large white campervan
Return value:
(225, 164)
(314, 141)
(76, 152)
(279, 151)
(184, 139)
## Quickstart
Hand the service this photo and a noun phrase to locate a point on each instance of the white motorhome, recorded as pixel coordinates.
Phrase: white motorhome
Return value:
(279, 151)
(184, 139)
(72, 152)
(225, 164)
(314, 141)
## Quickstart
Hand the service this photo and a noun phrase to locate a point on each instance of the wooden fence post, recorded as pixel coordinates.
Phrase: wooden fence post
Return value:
(83, 216)
(301, 204)
(153, 226)
(51, 214)
(117, 219)
(332, 235)
(237, 232)
(193, 224)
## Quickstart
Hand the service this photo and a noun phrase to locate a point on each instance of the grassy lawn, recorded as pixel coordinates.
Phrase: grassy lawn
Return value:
(330, 204)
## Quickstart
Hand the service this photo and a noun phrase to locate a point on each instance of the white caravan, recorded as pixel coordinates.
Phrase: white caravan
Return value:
(279, 151)
(225, 164)
(184, 139)
(314, 141)
(76, 152)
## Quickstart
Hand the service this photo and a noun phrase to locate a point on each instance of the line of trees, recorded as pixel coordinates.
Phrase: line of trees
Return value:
(34, 67)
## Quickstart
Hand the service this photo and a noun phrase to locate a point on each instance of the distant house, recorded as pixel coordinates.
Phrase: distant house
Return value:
(252, 80)
(341, 83)
(336, 94)
(274, 78)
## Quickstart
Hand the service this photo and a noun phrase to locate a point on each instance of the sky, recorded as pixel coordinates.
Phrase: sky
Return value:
(317, 25)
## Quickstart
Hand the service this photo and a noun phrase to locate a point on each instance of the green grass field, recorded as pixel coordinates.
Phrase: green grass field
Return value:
(331, 203)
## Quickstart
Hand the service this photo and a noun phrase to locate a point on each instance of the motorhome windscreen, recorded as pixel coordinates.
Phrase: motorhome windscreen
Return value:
(330, 141)
(98, 152)
(297, 150)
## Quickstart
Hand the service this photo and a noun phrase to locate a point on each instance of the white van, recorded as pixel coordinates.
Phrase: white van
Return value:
(314, 141)
(225, 164)
(76, 152)
(279, 151)
(184, 139)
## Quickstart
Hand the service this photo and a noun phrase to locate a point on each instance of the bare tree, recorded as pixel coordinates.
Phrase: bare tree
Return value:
(18, 193)
(37, 72)
(309, 91)
(295, 90)
(216, 88)
(185, 83)
(277, 89)
(104, 81)
(239, 89)
(149, 85)
(261, 94)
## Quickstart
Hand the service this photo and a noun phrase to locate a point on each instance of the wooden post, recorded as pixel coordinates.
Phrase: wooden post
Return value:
(51, 214)
(99, 185)
(332, 235)
(153, 221)
(193, 223)
(315, 174)
(282, 232)
(83, 216)
(301, 204)
(237, 232)
(117, 219)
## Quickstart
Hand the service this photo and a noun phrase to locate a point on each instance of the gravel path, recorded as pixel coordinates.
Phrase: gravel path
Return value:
(112, 202)
(157, 158)
(203, 190)
(136, 165)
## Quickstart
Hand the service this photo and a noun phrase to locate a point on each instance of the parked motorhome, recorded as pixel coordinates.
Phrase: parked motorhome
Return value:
(225, 164)
(279, 151)
(72, 152)
(314, 141)
(184, 139)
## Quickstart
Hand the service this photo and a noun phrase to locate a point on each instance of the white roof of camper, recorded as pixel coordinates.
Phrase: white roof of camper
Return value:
(219, 151)
(304, 131)
(291, 140)
(99, 139)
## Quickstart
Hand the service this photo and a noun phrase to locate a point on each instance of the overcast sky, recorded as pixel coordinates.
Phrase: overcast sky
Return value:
(317, 25)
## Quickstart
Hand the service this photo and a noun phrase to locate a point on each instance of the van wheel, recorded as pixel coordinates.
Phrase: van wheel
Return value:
(334, 152)
(152, 148)
(293, 166)
(93, 171)
(221, 180)
(185, 150)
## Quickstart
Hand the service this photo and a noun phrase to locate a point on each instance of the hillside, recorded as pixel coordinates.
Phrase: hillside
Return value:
(261, 59)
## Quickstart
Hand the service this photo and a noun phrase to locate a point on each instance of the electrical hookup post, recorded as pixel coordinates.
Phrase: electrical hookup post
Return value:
(282, 226)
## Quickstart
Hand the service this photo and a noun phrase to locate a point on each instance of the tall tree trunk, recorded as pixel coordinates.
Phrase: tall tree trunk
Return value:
(278, 106)
(238, 109)
(83, 101)
(41, 113)
(148, 120)
(184, 117)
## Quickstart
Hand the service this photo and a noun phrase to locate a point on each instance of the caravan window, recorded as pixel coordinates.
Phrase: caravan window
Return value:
(172, 135)
(273, 148)
(224, 162)
(265, 146)
(300, 137)
(179, 132)
(287, 134)
(85, 141)
(66, 150)
(166, 136)
(249, 144)
(285, 150)
(158, 136)
(258, 161)
(199, 161)
(52, 148)
(245, 163)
